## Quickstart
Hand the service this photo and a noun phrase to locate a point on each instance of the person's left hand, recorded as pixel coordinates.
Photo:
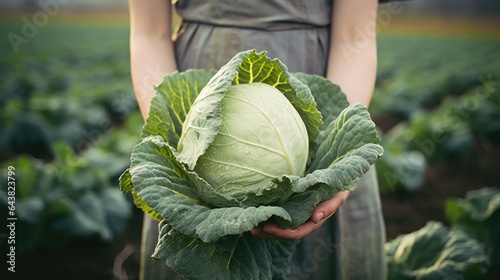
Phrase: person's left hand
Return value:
(321, 213)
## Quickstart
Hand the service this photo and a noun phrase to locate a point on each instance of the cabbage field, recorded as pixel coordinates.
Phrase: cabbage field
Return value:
(69, 121)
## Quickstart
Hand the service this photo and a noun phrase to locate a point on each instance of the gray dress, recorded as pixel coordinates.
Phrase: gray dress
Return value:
(350, 244)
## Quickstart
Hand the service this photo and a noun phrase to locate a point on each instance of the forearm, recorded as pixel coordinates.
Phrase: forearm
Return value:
(151, 48)
(356, 76)
(150, 61)
(352, 62)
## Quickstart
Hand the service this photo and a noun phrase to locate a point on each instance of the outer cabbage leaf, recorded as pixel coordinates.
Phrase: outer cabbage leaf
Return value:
(159, 180)
(352, 130)
(241, 256)
(172, 103)
(340, 160)
(434, 252)
(330, 100)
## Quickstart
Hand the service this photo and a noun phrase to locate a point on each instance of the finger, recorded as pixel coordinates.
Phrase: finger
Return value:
(291, 234)
(259, 232)
(327, 208)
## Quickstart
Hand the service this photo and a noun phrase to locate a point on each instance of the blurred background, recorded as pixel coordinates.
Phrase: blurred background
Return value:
(69, 121)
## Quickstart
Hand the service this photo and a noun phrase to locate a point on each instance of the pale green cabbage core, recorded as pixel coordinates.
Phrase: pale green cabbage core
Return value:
(262, 137)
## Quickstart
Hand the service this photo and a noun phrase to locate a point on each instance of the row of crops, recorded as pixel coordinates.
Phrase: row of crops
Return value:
(69, 121)
(436, 99)
(443, 93)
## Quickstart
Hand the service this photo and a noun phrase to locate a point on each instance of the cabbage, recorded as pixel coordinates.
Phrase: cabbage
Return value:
(262, 137)
(435, 252)
(224, 151)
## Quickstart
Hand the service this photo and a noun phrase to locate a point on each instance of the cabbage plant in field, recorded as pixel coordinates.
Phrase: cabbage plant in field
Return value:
(435, 252)
(224, 151)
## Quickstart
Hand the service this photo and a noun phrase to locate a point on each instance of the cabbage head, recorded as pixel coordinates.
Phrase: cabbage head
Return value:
(223, 151)
(262, 137)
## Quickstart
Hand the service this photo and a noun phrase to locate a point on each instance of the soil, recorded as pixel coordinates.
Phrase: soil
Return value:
(90, 259)
(404, 213)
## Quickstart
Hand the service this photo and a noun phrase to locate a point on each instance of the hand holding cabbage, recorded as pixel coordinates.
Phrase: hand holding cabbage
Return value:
(224, 152)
